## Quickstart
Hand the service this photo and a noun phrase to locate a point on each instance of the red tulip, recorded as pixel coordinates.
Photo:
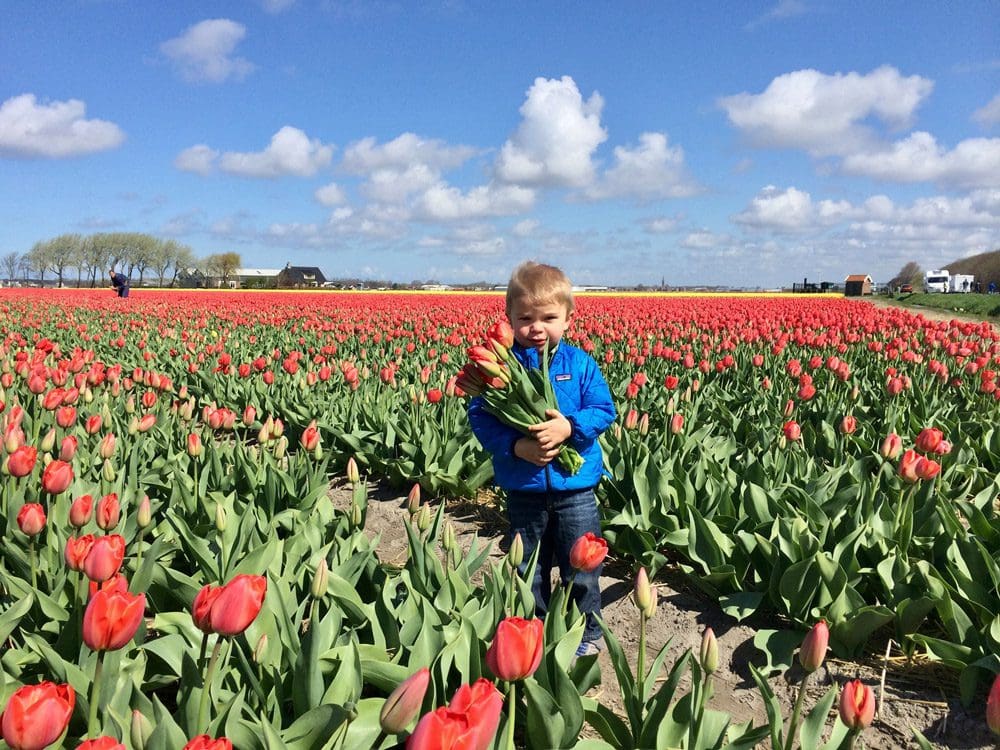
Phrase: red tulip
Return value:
(516, 650)
(943, 448)
(108, 511)
(67, 448)
(101, 743)
(310, 437)
(469, 722)
(105, 557)
(814, 647)
(792, 431)
(93, 424)
(434, 395)
(993, 706)
(857, 705)
(194, 447)
(117, 582)
(403, 704)
(676, 423)
(106, 448)
(929, 439)
(204, 742)
(908, 466)
(927, 468)
(36, 715)
(201, 607)
(238, 604)
(57, 477)
(77, 550)
(31, 519)
(21, 462)
(848, 425)
(81, 510)
(588, 552)
(66, 416)
(112, 619)
(892, 446)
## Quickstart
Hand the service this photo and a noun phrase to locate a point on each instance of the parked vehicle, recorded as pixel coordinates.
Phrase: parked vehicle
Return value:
(936, 281)
(961, 283)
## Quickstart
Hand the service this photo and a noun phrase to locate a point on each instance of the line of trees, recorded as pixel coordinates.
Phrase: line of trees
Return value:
(141, 257)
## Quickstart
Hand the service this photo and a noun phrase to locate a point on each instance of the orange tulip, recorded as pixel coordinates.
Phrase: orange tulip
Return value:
(516, 650)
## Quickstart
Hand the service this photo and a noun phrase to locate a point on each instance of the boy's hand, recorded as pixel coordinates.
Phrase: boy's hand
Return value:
(530, 450)
(553, 432)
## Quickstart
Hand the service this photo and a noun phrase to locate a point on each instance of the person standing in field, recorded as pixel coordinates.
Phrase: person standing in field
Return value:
(119, 282)
(546, 505)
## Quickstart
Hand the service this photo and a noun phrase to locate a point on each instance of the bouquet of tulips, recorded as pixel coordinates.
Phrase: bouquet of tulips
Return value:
(517, 396)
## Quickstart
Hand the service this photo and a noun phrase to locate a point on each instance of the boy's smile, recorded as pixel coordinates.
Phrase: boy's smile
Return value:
(535, 324)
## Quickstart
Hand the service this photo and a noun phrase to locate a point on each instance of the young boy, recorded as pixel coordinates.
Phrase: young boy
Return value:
(546, 505)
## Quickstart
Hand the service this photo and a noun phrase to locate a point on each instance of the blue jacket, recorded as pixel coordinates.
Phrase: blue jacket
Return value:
(584, 399)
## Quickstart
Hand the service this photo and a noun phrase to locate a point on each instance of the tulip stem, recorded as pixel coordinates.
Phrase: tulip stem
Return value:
(641, 660)
(206, 688)
(93, 729)
(138, 554)
(512, 698)
(796, 712)
(569, 594)
(34, 566)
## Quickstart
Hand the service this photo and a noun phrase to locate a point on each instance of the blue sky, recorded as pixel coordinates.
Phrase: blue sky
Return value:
(738, 143)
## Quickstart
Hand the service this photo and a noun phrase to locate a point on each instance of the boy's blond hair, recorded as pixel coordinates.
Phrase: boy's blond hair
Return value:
(539, 284)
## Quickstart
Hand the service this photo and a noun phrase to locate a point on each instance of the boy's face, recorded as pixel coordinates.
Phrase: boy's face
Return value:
(535, 324)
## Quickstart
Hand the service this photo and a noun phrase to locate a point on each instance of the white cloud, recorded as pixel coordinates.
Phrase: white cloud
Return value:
(974, 162)
(443, 202)
(397, 185)
(784, 9)
(651, 170)
(659, 225)
(826, 114)
(330, 195)
(525, 228)
(704, 240)
(988, 114)
(779, 210)
(199, 159)
(204, 52)
(276, 6)
(556, 139)
(55, 130)
(402, 152)
(290, 152)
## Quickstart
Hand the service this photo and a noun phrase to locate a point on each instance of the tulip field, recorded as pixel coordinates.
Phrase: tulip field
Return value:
(173, 573)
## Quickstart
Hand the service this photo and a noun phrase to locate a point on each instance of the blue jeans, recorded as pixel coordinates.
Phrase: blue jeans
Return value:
(556, 520)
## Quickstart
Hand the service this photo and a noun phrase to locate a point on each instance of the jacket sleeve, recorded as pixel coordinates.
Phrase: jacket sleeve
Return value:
(597, 409)
(496, 437)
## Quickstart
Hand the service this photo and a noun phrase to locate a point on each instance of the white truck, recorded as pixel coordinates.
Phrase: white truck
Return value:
(936, 281)
(961, 282)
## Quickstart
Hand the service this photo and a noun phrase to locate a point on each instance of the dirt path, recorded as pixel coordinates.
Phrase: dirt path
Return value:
(923, 696)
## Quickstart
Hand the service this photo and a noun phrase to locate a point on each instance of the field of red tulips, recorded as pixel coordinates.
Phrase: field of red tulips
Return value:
(173, 573)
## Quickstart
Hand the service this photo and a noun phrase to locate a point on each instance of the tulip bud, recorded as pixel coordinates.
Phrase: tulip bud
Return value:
(642, 590)
(892, 446)
(709, 654)
(413, 499)
(49, 441)
(403, 704)
(260, 649)
(130, 405)
(281, 447)
(194, 446)
(144, 515)
(448, 540)
(106, 448)
(249, 415)
(221, 518)
(353, 475)
(515, 554)
(644, 424)
(671, 405)
(140, 731)
(993, 707)
(857, 705)
(424, 518)
(320, 580)
(81, 510)
(677, 423)
(108, 471)
(356, 516)
(814, 647)
(277, 428)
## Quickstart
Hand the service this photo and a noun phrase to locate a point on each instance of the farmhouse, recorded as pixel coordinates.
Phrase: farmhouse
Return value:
(300, 276)
(858, 285)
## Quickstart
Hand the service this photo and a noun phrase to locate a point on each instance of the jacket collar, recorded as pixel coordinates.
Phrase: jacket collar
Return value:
(531, 358)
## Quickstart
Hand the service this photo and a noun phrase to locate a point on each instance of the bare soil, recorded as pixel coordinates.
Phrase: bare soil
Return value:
(921, 695)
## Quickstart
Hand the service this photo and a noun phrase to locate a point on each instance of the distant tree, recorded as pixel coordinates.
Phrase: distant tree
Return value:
(96, 255)
(911, 273)
(183, 258)
(10, 263)
(40, 258)
(227, 264)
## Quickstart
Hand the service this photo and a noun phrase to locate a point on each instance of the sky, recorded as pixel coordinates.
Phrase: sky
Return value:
(746, 144)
